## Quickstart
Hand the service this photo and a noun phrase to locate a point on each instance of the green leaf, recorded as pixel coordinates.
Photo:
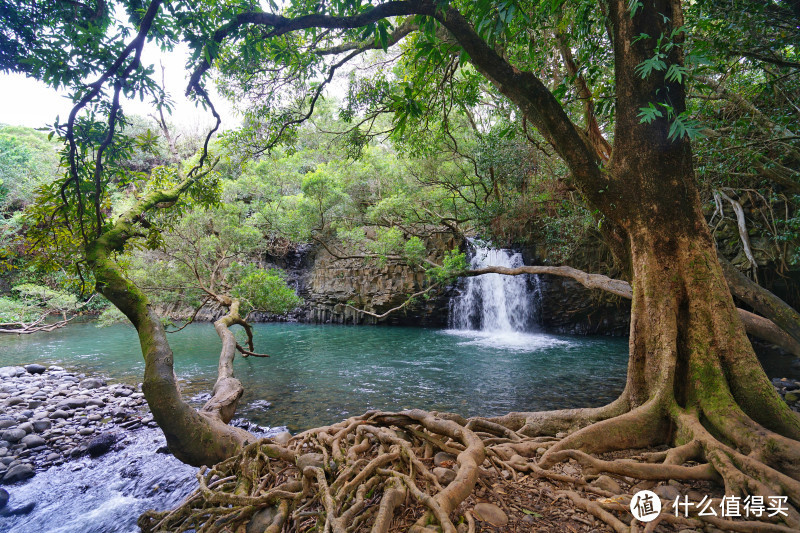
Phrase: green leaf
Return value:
(649, 114)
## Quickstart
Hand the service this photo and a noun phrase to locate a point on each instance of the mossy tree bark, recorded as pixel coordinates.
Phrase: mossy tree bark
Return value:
(692, 374)
(197, 438)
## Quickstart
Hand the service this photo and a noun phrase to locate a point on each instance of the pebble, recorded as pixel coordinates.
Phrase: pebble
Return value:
(444, 459)
(50, 415)
(444, 475)
(13, 435)
(32, 441)
(41, 425)
(607, 483)
(92, 383)
(667, 492)
(489, 512)
(18, 472)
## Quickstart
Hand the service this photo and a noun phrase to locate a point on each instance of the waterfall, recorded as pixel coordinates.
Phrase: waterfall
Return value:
(493, 302)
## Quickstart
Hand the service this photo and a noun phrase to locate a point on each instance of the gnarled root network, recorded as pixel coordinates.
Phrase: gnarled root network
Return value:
(375, 473)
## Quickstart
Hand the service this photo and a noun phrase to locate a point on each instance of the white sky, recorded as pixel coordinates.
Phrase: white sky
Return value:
(27, 102)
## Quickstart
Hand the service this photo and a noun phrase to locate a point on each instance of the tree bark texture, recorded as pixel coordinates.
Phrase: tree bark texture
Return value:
(196, 438)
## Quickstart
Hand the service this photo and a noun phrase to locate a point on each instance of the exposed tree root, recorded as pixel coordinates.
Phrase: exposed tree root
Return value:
(376, 473)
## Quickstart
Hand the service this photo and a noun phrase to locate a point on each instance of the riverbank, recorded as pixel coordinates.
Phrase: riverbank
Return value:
(51, 415)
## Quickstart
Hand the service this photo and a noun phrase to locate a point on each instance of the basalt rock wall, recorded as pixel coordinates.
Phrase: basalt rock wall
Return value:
(336, 289)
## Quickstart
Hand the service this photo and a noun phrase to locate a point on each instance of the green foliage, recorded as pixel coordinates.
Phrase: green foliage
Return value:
(265, 290)
(27, 160)
(453, 264)
(110, 315)
(32, 301)
(414, 251)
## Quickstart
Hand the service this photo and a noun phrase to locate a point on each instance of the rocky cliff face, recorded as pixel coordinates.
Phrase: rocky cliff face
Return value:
(335, 288)
(568, 307)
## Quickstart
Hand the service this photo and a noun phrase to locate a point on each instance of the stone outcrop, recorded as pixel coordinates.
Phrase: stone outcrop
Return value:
(333, 290)
(333, 287)
(566, 306)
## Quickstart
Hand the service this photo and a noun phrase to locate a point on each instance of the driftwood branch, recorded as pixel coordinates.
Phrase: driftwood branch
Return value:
(758, 326)
(741, 223)
(590, 281)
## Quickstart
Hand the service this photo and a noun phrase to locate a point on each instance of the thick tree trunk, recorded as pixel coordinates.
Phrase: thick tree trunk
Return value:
(687, 342)
(196, 438)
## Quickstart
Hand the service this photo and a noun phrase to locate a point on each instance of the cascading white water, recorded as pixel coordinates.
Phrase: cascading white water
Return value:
(493, 302)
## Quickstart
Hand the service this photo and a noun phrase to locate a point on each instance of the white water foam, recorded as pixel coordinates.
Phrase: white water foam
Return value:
(513, 340)
(498, 311)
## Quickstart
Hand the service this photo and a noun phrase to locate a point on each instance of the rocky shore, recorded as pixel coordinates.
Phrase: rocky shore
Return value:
(50, 415)
(789, 390)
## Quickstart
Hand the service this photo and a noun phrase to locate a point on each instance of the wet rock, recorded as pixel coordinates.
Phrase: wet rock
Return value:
(444, 459)
(607, 483)
(489, 512)
(19, 511)
(261, 520)
(3, 498)
(35, 369)
(41, 425)
(13, 435)
(282, 438)
(91, 383)
(18, 472)
(444, 475)
(101, 444)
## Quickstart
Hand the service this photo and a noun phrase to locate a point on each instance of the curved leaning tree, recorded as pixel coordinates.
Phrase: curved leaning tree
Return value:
(694, 383)
(74, 224)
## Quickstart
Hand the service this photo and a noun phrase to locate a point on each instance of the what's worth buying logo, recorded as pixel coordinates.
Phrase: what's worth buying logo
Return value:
(646, 506)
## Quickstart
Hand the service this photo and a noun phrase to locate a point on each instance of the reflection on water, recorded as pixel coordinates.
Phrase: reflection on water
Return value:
(317, 375)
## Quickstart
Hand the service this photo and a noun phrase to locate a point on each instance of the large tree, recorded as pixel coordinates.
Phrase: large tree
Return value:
(690, 360)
